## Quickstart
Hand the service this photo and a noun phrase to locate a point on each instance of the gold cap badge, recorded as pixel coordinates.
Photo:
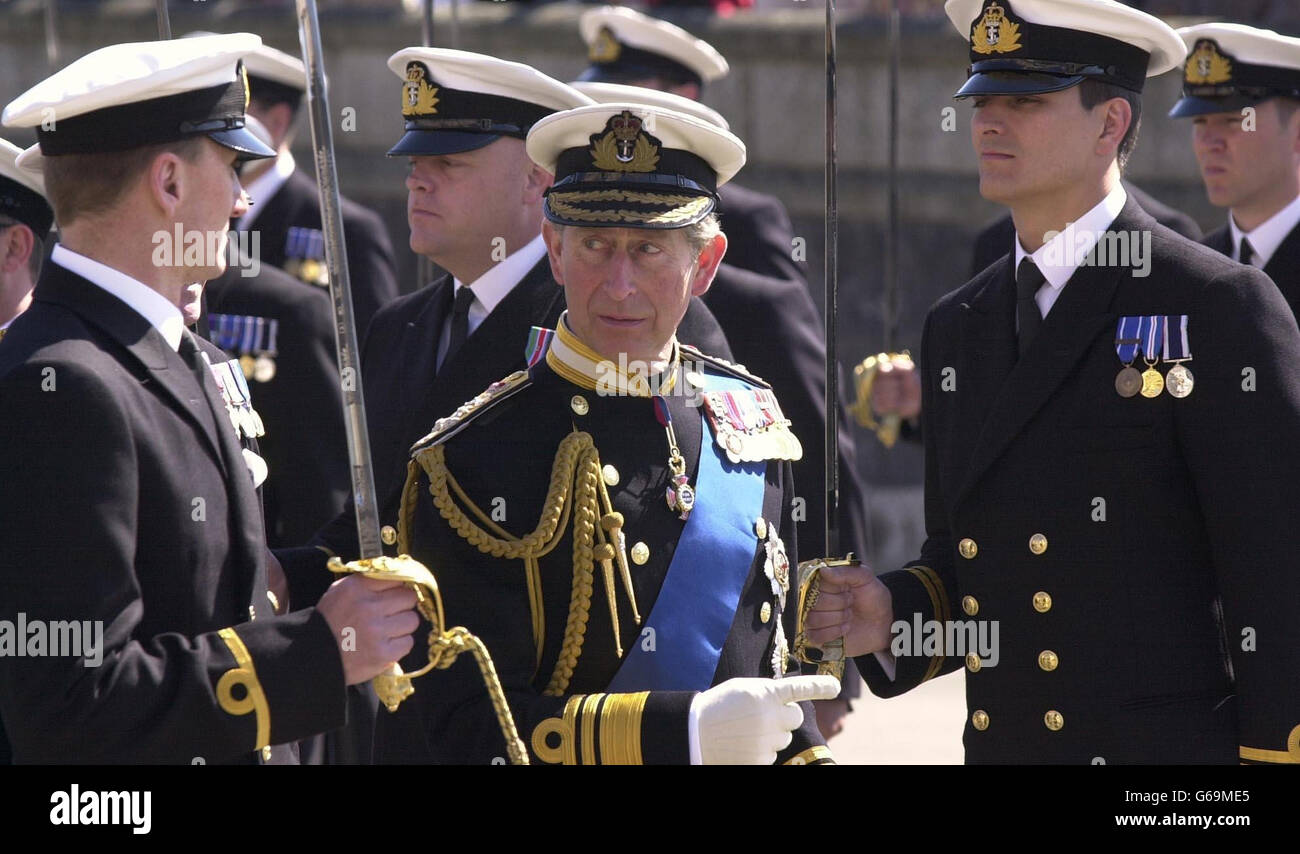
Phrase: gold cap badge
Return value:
(1206, 65)
(994, 32)
(625, 146)
(605, 48)
(419, 96)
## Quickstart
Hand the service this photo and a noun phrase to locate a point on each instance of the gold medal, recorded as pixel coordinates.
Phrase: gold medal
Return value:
(1152, 383)
(1179, 381)
(263, 368)
(1128, 381)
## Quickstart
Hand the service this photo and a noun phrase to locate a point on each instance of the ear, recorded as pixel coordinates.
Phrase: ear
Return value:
(16, 248)
(165, 182)
(706, 266)
(1117, 115)
(536, 181)
(554, 240)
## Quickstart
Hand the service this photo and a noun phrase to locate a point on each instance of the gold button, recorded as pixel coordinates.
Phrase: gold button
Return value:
(760, 528)
(967, 548)
(610, 474)
(1047, 660)
(1042, 602)
(1054, 720)
(980, 720)
(388, 534)
(579, 404)
(640, 553)
(970, 605)
(1038, 544)
(765, 613)
(266, 753)
(973, 663)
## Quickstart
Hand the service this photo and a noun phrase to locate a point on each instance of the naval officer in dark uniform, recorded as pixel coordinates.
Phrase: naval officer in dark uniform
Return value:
(129, 506)
(286, 201)
(1122, 514)
(1241, 89)
(614, 522)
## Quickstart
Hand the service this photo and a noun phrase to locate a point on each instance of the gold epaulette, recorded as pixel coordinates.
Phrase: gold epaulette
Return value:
(445, 428)
(723, 365)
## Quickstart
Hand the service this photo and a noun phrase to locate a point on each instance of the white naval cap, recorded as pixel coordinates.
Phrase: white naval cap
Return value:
(1033, 46)
(632, 165)
(603, 93)
(135, 94)
(454, 100)
(269, 68)
(624, 45)
(22, 194)
(1231, 66)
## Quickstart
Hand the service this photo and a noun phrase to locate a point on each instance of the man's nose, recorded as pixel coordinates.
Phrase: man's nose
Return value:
(620, 280)
(242, 203)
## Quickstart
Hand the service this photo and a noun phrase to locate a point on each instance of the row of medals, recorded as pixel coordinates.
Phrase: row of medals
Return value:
(1149, 383)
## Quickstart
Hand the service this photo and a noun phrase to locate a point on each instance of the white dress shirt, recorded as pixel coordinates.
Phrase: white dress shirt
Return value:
(1068, 249)
(492, 287)
(1268, 235)
(144, 300)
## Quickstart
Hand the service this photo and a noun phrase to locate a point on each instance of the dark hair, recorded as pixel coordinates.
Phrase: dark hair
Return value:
(81, 184)
(1094, 92)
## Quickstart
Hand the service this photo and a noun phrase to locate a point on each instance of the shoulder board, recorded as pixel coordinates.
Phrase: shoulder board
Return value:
(493, 395)
(724, 366)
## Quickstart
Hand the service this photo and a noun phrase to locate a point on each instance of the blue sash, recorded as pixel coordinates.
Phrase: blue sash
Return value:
(696, 606)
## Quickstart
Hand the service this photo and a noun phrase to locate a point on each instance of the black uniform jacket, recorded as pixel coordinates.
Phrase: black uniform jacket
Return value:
(504, 459)
(1137, 555)
(126, 500)
(1283, 268)
(759, 233)
(371, 268)
(305, 446)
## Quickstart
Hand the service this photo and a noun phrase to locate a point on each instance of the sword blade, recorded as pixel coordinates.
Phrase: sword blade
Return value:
(336, 259)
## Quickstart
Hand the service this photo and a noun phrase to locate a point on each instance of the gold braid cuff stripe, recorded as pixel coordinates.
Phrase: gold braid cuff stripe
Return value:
(593, 729)
(939, 601)
(817, 755)
(1290, 756)
(245, 675)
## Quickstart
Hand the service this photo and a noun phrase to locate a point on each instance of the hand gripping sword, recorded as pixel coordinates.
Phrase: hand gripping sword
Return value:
(444, 645)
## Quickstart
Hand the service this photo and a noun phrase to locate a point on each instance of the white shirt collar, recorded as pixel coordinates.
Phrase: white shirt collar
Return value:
(493, 286)
(1269, 234)
(264, 187)
(1068, 249)
(144, 300)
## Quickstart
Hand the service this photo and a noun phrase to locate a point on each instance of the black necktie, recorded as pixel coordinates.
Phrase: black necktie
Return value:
(1028, 281)
(193, 359)
(459, 322)
(1245, 252)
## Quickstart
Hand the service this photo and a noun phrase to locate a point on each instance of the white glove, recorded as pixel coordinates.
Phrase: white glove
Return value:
(748, 721)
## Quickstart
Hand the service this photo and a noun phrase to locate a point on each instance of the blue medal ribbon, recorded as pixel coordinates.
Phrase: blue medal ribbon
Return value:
(1153, 337)
(696, 606)
(1176, 347)
(1128, 338)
